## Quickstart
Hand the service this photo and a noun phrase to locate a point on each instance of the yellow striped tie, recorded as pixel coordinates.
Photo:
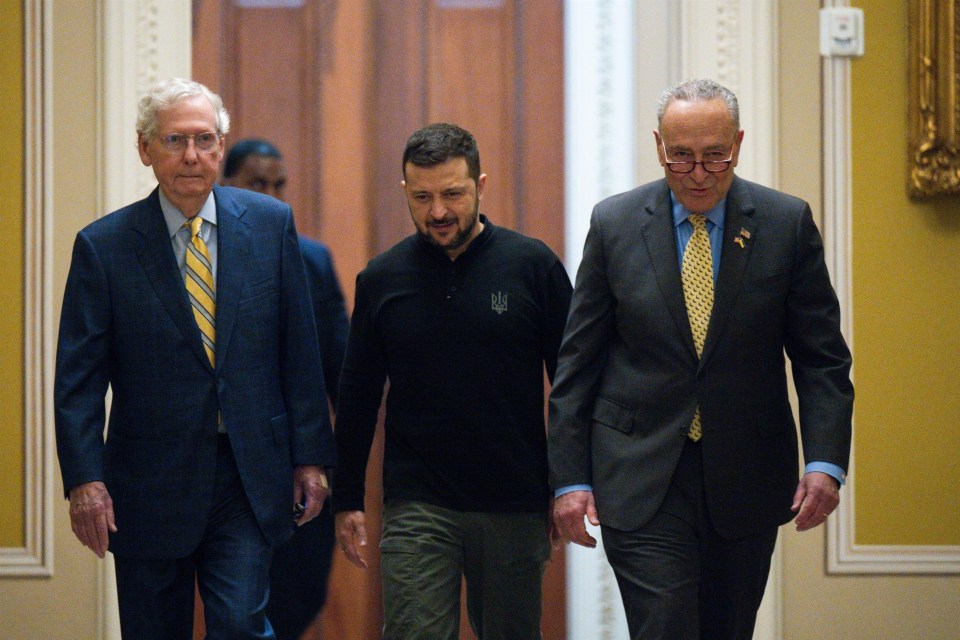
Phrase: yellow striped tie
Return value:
(200, 287)
(697, 275)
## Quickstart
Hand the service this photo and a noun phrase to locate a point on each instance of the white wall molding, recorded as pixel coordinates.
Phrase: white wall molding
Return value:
(599, 131)
(599, 113)
(844, 555)
(35, 558)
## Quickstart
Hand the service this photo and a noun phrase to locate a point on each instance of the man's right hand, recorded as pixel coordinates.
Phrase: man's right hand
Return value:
(569, 511)
(91, 516)
(351, 535)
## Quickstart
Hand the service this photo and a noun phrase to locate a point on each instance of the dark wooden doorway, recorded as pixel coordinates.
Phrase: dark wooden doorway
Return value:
(338, 85)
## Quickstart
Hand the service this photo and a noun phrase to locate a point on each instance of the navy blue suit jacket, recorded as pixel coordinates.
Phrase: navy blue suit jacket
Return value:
(127, 323)
(329, 311)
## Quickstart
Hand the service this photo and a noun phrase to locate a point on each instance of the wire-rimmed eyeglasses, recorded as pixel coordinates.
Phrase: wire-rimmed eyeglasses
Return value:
(177, 142)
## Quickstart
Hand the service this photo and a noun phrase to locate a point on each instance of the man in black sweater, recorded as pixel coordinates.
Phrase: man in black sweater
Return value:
(461, 317)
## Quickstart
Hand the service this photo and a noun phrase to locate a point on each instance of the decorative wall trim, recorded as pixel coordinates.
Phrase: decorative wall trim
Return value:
(599, 160)
(36, 557)
(844, 555)
(599, 110)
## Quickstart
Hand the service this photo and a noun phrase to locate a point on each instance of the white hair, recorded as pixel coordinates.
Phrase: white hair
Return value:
(167, 93)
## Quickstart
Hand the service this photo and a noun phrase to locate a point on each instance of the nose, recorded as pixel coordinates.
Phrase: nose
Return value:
(437, 209)
(190, 153)
(699, 174)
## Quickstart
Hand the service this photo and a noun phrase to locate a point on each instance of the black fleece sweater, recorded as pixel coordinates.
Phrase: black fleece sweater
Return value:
(463, 345)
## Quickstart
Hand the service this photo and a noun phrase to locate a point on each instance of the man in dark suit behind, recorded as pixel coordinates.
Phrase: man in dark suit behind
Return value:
(670, 424)
(301, 566)
(217, 425)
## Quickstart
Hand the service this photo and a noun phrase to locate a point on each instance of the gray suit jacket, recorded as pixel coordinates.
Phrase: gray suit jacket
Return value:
(628, 380)
(127, 322)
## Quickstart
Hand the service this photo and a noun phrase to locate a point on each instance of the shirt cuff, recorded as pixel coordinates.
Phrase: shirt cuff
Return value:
(836, 472)
(570, 488)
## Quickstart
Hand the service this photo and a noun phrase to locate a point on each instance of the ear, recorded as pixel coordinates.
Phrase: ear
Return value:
(142, 144)
(659, 143)
(221, 149)
(736, 153)
(481, 183)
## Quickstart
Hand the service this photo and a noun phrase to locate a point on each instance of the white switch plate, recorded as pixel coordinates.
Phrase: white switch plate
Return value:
(841, 32)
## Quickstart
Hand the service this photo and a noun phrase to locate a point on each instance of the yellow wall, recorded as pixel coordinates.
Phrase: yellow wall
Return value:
(816, 604)
(11, 276)
(906, 313)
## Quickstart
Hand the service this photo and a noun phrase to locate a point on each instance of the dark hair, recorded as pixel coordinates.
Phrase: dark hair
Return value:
(247, 147)
(437, 143)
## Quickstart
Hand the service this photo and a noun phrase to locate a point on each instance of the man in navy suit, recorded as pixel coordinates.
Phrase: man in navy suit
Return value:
(217, 422)
(672, 428)
(301, 566)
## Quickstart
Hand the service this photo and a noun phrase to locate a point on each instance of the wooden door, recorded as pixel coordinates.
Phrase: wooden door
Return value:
(339, 85)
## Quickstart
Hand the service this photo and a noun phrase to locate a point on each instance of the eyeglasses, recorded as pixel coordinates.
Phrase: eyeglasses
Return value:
(177, 142)
(687, 166)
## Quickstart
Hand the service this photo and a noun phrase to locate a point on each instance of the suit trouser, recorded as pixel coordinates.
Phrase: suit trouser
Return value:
(230, 564)
(678, 578)
(426, 551)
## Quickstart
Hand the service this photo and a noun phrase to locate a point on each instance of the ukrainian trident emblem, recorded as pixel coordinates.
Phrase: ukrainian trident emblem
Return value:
(498, 302)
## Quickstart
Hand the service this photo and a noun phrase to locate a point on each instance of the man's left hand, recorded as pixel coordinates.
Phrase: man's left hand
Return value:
(310, 488)
(818, 494)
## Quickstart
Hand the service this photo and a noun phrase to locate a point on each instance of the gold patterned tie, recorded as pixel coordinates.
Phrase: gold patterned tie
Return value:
(200, 287)
(697, 275)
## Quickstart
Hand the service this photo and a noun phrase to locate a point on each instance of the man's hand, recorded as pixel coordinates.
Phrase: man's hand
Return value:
(352, 535)
(91, 516)
(818, 494)
(310, 488)
(569, 511)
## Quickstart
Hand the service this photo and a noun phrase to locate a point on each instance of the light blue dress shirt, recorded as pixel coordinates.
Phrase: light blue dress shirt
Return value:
(179, 237)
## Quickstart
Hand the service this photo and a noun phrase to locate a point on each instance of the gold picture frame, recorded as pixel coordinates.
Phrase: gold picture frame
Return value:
(933, 127)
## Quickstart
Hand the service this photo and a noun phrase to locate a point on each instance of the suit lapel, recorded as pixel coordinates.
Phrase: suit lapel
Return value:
(233, 247)
(660, 238)
(739, 234)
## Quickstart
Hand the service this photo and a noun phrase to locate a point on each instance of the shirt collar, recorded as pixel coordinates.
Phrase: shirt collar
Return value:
(175, 218)
(715, 215)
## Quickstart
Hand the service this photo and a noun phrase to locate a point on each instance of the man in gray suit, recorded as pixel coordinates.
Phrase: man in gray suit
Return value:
(190, 305)
(670, 424)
